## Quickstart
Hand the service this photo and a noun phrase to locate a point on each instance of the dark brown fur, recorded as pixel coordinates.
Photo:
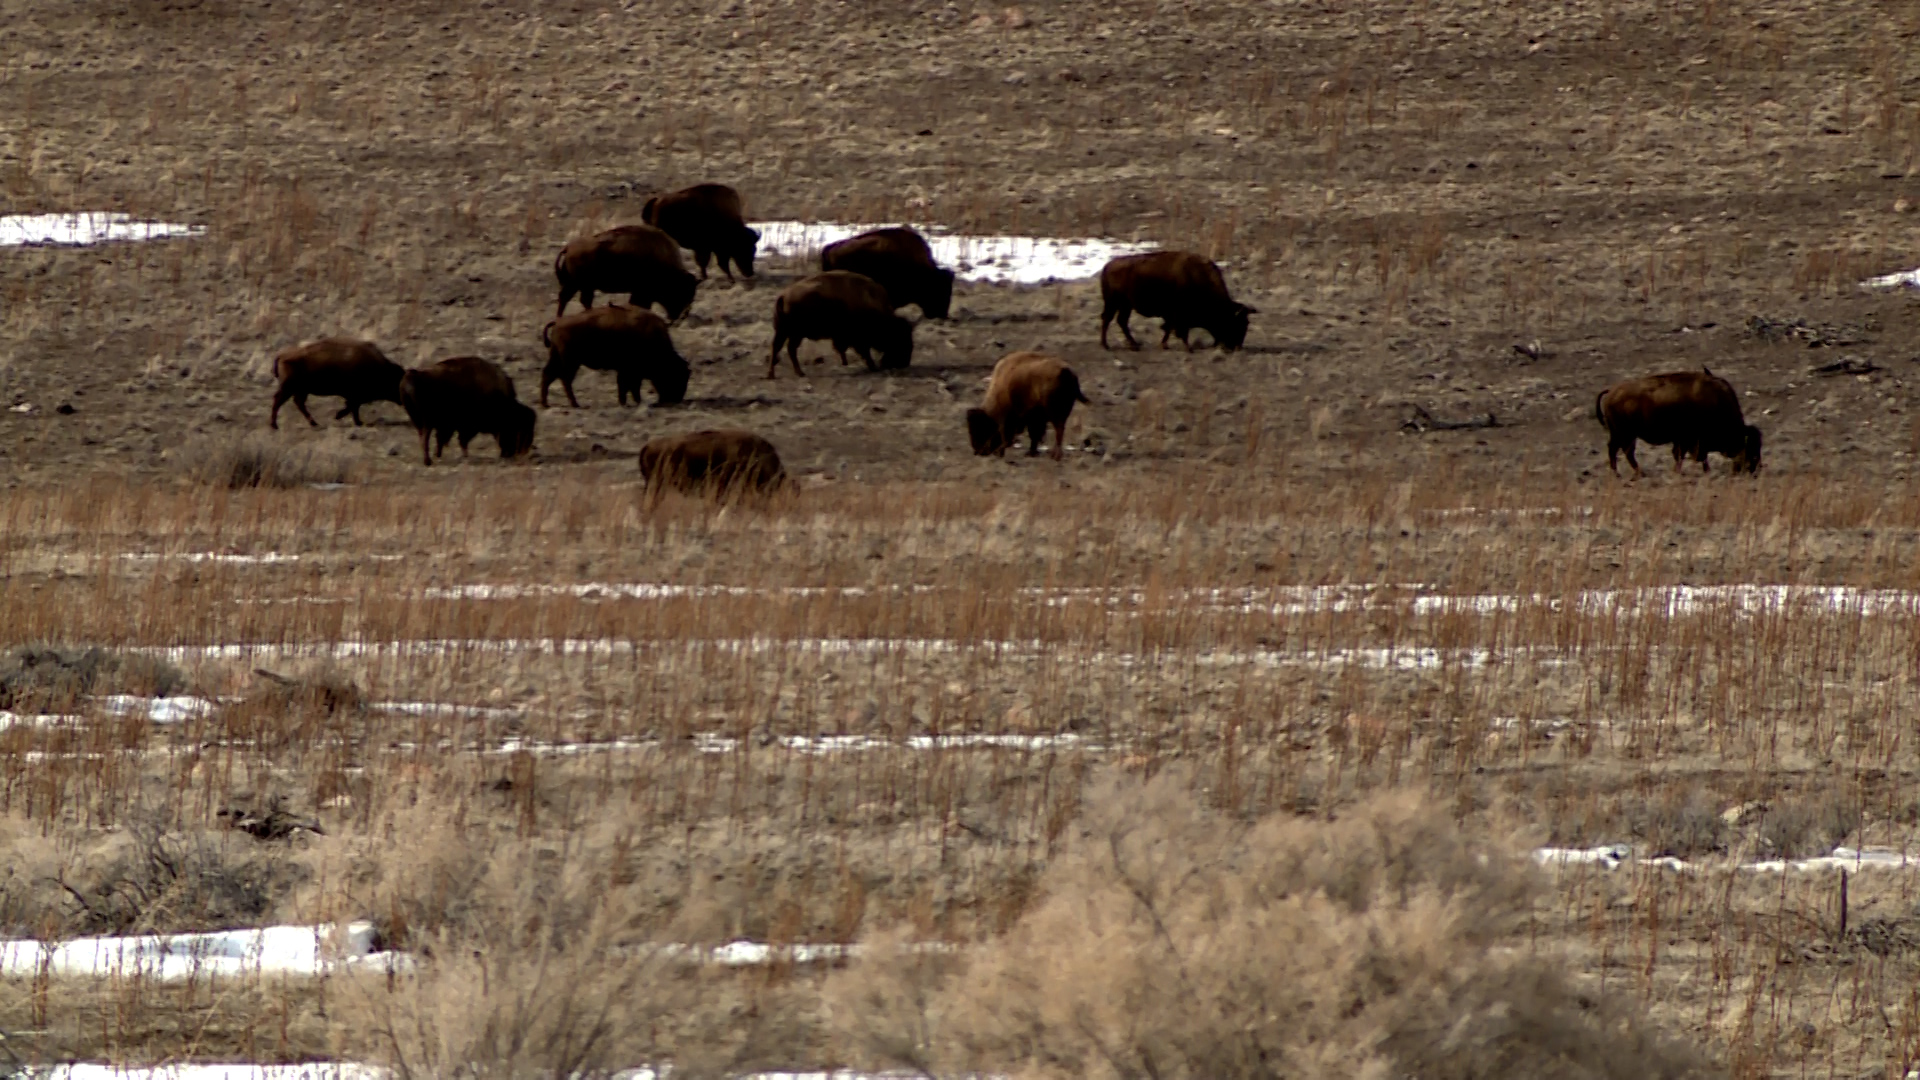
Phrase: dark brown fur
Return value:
(638, 260)
(1028, 391)
(900, 260)
(849, 309)
(334, 367)
(631, 342)
(1696, 411)
(708, 220)
(1185, 291)
(718, 463)
(466, 396)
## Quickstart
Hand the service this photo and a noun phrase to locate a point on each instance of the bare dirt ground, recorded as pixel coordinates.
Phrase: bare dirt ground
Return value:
(1406, 192)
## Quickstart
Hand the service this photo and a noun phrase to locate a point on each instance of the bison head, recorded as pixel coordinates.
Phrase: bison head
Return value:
(986, 433)
(1748, 459)
(745, 248)
(677, 295)
(896, 343)
(936, 296)
(516, 434)
(670, 378)
(1230, 326)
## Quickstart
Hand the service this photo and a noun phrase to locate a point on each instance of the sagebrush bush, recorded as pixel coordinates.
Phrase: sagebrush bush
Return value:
(257, 461)
(1170, 942)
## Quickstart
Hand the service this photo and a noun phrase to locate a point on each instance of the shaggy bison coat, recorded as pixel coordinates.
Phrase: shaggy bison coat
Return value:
(1028, 391)
(712, 462)
(900, 260)
(1185, 291)
(638, 260)
(631, 342)
(466, 396)
(708, 220)
(1696, 411)
(849, 309)
(335, 367)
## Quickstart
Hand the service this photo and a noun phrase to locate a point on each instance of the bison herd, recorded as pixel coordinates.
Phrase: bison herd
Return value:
(852, 303)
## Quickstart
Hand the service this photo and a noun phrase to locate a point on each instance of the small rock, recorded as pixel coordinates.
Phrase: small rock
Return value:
(65, 409)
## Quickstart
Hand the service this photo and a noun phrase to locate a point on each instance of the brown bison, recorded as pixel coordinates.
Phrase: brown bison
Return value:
(712, 462)
(638, 260)
(708, 220)
(1185, 291)
(900, 260)
(335, 367)
(631, 342)
(1029, 390)
(466, 396)
(851, 310)
(1697, 411)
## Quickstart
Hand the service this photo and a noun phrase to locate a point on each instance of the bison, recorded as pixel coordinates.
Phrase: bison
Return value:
(630, 342)
(335, 367)
(1697, 411)
(1185, 291)
(466, 396)
(708, 220)
(1028, 391)
(638, 260)
(900, 260)
(716, 463)
(850, 309)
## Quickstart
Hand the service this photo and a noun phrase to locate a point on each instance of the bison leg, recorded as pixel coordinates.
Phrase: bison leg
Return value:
(566, 294)
(773, 358)
(1036, 434)
(1633, 461)
(280, 397)
(866, 354)
(351, 408)
(793, 356)
(425, 458)
(586, 298)
(700, 257)
(1059, 439)
(567, 385)
(1118, 310)
(300, 402)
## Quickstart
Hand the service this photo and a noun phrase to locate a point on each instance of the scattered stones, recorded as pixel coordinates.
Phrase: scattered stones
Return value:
(1846, 365)
(1816, 335)
(1419, 421)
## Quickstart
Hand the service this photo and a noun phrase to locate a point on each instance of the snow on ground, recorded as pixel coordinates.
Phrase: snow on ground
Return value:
(273, 950)
(158, 710)
(1614, 856)
(81, 229)
(1014, 260)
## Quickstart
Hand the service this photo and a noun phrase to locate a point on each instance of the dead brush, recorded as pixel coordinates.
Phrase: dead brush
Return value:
(255, 461)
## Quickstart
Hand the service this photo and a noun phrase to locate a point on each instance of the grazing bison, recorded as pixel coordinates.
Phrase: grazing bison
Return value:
(1697, 411)
(466, 396)
(335, 367)
(900, 260)
(630, 342)
(1029, 390)
(638, 260)
(708, 220)
(1185, 291)
(712, 462)
(851, 310)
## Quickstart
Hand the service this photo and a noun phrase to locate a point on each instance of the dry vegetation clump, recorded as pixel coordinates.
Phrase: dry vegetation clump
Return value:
(1170, 941)
(48, 678)
(255, 461)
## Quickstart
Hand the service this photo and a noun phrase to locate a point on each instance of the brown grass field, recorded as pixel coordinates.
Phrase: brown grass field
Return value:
(1288, 833)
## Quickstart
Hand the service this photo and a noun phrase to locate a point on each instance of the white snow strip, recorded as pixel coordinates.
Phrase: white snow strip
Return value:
(274, 950)
(38, 720)
(1613, 856)
(1011, 260)
(263, 558)
(158, 710)
(445, 708)
(710, 743)
(81, 229)
(1908, 278)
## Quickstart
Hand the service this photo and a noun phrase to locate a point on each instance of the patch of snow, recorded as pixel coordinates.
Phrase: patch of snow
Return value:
(37, 720)
(1908, 278)
(1014, 260)
(81, 229)
(263, 558)
(446, 708)
(712, 743)
(1613, 856)
(323, 1070)
(274, 950)
(158, 710)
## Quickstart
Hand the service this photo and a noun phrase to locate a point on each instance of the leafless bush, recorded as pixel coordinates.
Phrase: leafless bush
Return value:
(50, 677)
(153, 878)
(1173, 943)
(255, 461)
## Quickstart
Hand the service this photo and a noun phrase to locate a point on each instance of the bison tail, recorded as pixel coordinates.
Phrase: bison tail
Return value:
(650, 212)
(1597, 413)
(546, 333)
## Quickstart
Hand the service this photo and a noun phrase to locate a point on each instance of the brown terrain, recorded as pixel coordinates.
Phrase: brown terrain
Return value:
(1441, 210)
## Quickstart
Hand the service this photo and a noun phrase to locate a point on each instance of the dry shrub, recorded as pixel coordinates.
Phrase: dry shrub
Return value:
(257, 461)
(1170, 942)
(48, 677)
(530, 977)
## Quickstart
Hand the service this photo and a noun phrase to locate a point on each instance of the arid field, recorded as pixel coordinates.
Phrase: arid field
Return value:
(1282, 729)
